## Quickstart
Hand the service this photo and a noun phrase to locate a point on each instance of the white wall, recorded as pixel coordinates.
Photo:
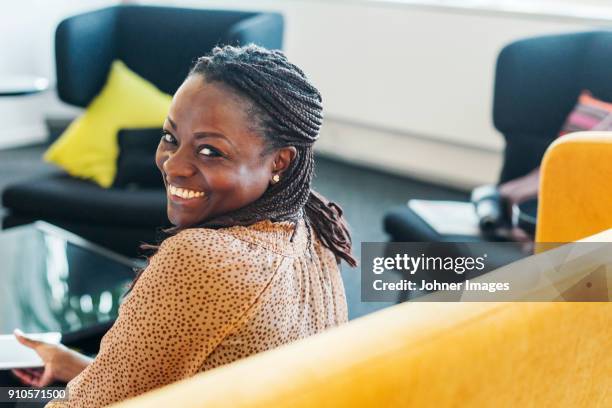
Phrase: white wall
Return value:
(26, 48)
(407, 88)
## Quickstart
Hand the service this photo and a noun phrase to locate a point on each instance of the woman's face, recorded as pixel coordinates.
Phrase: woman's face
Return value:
(211, 160)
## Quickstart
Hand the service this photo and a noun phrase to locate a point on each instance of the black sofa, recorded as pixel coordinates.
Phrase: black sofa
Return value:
(160, 44)
(537, 83)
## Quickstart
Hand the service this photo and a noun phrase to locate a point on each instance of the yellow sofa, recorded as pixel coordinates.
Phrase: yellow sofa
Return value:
(448, 354)
(424, 355)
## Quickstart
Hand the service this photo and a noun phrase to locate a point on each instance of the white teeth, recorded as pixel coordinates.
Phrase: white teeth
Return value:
(184, 193)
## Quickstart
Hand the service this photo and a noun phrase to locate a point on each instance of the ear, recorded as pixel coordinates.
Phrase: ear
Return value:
(282, 159)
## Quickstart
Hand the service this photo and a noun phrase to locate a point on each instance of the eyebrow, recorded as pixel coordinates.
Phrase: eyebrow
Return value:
(171, 123)
(202, 135)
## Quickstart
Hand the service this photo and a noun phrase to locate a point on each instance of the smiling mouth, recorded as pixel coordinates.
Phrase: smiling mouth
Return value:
(184, 193)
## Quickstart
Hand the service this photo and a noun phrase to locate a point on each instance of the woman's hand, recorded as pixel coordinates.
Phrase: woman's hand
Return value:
(61, 363)
(521, 189)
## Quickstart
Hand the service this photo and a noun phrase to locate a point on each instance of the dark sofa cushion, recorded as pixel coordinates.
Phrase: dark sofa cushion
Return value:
(64, 197)
(136, 167)
(523, 154)
(158, 43)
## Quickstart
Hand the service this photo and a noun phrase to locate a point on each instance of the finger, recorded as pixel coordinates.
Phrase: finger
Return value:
(37, 371)
(26, 341)
(45, 379)
(19, 371)
(33, 372)
(24, 377)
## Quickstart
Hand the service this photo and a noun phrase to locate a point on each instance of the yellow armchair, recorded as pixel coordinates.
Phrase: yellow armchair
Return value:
(575, 198)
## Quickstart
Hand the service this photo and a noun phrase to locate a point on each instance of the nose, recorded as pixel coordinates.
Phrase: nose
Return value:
(179, 164)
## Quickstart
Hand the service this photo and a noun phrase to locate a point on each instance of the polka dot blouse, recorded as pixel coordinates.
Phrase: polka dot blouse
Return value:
(210, 297)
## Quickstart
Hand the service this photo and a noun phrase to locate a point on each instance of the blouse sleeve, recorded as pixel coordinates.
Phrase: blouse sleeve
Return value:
(194, 292)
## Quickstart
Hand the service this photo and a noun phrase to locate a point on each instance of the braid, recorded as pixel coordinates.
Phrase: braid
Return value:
(288, 111)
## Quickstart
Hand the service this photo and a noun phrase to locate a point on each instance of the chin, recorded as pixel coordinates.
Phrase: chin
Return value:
(180, 220)
(183, 214)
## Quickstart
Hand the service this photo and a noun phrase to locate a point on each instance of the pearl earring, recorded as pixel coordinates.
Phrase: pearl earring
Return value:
(275, 179)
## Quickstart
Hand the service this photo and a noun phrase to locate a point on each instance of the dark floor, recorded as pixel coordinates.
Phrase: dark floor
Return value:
(364, 194)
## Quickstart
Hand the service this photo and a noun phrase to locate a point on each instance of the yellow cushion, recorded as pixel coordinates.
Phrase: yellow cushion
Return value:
(89, 148)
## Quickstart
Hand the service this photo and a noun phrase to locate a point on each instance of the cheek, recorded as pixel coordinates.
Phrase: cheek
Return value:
(160, 158)
(258, 180)
(244, 185)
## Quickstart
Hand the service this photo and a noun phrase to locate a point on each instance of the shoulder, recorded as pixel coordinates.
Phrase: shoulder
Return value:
(201, 242)
(203, 268)
(325, 255)
(198, 238)
(202, 253)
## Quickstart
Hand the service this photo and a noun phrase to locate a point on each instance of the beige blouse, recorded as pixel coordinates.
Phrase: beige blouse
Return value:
(210, 297)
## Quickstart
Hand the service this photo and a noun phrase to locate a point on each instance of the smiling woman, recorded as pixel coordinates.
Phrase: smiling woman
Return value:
(211, 160)
(252, 260)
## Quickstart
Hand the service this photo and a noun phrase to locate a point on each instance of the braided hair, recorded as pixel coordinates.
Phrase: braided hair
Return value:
(286, 110)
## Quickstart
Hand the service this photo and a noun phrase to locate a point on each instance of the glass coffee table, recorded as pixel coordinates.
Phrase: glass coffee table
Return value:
(53, 280)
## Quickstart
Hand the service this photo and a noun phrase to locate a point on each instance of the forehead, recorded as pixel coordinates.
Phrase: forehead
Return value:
(199, 104)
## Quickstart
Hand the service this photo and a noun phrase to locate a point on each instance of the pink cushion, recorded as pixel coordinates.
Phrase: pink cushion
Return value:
(589, 113)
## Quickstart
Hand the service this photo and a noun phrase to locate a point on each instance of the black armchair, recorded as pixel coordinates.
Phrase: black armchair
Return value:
(160, 44)
(537, 83)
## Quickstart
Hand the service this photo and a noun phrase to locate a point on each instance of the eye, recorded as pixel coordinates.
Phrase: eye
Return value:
(210, 151)
(168, 138)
